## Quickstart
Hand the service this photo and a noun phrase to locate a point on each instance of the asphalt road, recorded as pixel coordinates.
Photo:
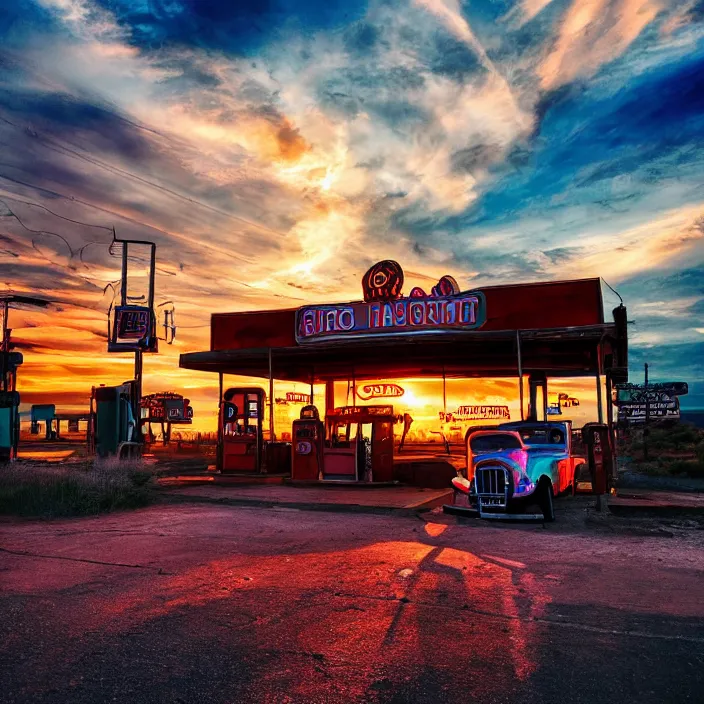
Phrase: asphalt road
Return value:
(232, 604)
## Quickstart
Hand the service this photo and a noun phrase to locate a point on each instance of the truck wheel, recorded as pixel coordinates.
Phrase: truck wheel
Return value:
(545, 501)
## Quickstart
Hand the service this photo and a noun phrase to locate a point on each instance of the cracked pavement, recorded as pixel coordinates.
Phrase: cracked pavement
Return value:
(201, 603)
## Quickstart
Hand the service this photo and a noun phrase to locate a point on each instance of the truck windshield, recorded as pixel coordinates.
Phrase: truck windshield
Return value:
(543, 436)
(497, 442)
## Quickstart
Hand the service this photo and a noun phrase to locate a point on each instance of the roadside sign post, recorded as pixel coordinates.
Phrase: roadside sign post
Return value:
(647, 414)
(134, 326)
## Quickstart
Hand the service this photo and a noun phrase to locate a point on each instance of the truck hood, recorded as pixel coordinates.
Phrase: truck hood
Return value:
(527, 465)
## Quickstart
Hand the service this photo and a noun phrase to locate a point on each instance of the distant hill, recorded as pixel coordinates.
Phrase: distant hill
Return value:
(695, 416)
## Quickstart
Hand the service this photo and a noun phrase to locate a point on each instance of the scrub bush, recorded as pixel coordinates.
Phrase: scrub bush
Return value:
(30, 489)
(692, 468)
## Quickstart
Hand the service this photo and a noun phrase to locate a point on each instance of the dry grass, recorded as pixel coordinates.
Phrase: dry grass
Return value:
(674, 450)
(81, 489)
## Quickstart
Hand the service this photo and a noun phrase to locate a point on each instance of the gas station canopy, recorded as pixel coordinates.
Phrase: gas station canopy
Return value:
(554, 328)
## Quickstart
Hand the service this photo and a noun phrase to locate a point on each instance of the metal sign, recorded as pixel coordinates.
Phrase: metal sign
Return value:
(636, 413)
(295, 397)
(134, 329)
(370, 391)
(166, 406)
(636, 393)
(658, 401)
(657, 404)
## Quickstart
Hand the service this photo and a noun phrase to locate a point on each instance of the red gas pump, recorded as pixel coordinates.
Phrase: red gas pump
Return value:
(308, 435)
(241, 421)
(600, 456)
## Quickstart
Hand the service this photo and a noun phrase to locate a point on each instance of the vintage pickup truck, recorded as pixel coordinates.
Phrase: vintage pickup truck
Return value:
(514, 470)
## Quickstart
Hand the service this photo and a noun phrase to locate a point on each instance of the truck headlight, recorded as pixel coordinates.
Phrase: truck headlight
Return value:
(524, 486)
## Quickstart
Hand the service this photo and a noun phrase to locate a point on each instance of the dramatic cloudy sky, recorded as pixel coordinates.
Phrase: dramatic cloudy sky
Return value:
(275, 148)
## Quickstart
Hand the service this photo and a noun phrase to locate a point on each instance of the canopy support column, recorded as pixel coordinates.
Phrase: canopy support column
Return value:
(444, 391)
(329, 396)
(354, 390)
(599, 402)
(218, 462)
(610, 408)
(272, 437)
(520, 370)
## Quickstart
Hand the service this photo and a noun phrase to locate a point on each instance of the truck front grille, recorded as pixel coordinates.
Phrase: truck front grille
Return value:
(492, 486)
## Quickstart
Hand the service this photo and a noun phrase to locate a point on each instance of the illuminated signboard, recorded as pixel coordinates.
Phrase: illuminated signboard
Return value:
(464, 413)
(465, 311)
(294, 397)
(132, 324)
(369, 391)
(133, 329)
(385, 312)
(364, 410)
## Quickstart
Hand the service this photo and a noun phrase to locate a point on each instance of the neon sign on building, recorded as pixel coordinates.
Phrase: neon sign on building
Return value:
(370, 391)
(465, 413)
(385, 312)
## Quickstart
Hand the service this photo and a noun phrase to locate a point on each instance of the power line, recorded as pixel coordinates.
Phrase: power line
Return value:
(614, 290)
(48, 143)
(63, 217)
(120, 216)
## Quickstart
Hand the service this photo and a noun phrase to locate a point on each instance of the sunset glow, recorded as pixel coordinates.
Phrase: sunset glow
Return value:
(274, 154)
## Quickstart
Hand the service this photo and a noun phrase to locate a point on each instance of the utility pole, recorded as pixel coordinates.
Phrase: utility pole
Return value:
(5, 345)
(647, 416)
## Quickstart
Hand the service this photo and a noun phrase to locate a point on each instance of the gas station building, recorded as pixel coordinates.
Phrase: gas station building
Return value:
(354, 362)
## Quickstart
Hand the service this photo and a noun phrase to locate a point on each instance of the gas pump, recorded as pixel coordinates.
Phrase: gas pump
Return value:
(600, 457)
(9, 403)
(9, 424)
(307, 446)
(112, 426)
(241, 419)
(359, 444)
